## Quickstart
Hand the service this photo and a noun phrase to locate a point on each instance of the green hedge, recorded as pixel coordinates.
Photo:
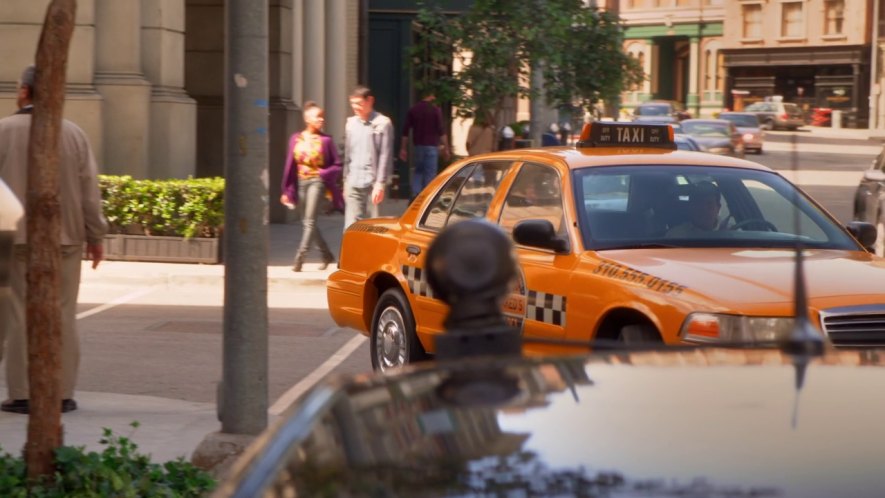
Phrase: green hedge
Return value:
(182, 208)
(117, 471)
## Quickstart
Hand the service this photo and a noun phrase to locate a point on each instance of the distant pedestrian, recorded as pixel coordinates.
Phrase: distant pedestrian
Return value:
(549, 137)
(481, 136)
(425, 122)
(368, 149)
(508, 137)
(81, 221)
(312, 167)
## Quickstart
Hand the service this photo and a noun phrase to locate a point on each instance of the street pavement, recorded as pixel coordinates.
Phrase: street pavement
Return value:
(171, 428)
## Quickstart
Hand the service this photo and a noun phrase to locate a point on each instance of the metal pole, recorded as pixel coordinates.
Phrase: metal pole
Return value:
(243, 404)
(874, 68)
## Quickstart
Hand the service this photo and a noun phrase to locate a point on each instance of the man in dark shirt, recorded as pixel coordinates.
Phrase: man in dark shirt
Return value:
(425, 122)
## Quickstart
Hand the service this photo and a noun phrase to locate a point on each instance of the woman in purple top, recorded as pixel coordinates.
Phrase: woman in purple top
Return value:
(312, 167)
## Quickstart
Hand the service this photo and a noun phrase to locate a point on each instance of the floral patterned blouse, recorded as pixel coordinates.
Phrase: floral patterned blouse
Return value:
(308, 154)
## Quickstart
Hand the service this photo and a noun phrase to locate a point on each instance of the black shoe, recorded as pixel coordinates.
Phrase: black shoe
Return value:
(22, 406)
(15, 406)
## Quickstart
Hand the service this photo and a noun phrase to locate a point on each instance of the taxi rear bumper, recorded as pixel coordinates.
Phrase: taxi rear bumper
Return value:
(345, 292)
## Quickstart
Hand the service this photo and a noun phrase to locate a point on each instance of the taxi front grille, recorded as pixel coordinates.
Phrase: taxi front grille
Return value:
(855, 326)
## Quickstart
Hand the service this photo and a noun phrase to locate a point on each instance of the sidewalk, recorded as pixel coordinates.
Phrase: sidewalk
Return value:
(846, 133)
(283, 241)
(170, 428)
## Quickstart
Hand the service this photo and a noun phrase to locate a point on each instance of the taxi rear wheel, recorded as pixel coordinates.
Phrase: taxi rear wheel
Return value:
(394, 342)
(639, 334)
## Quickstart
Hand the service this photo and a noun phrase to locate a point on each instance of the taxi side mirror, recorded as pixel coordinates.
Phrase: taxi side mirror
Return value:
(541, 234)
(864, 232)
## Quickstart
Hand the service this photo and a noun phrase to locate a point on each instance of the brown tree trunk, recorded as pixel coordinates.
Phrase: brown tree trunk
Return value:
(43, 229)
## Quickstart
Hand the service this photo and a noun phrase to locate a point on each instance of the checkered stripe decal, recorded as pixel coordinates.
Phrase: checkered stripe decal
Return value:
(547, 308)
(417, 280)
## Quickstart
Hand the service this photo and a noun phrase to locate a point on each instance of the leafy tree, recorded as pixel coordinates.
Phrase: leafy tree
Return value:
(497, 42)
(582, 55)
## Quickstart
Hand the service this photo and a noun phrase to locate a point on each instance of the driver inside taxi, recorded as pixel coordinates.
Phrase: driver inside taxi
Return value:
(704, 203)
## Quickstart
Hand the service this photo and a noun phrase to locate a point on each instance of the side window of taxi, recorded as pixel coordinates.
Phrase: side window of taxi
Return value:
(467, 195)
(536, 194)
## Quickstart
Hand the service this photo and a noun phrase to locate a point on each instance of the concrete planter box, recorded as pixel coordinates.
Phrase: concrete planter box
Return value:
(118, 247)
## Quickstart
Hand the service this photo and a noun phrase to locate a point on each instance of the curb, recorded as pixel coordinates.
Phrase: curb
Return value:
(277, 277)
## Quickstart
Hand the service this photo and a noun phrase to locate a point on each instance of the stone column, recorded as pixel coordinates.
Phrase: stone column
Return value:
(283, 115)
(20, 27)
(172, 149)
(313, 41)
(652, 53)
(694, 58)
(119, 80)
(298, 51)
(336, 102)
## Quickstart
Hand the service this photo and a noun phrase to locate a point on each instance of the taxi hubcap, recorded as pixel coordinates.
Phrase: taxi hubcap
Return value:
(391, 340)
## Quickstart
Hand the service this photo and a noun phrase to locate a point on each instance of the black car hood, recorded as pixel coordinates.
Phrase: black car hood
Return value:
(669, 423)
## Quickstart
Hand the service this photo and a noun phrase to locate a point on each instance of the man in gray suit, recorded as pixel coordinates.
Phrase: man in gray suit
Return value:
(81, 222)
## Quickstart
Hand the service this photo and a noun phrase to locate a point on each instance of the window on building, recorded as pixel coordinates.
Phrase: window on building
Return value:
(792, 22)
(834, 11)
(752, 16)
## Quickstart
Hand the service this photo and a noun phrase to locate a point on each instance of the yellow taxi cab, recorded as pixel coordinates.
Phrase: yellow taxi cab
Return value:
(624, 238)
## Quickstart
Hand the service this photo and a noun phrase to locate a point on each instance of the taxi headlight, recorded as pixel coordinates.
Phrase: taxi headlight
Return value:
(715, 327)
(719, 150)
(748, 137)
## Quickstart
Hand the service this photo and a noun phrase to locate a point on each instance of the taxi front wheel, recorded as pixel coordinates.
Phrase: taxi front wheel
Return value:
(639, 334)
(394, 342)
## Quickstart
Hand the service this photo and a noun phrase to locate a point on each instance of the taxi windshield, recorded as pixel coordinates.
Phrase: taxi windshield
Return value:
(696, 206)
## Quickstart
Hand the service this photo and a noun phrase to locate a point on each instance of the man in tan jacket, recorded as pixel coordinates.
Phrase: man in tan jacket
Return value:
(81, 221)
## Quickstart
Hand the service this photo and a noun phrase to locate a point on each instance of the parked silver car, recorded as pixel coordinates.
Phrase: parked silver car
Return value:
(749, 127)
(775, 115)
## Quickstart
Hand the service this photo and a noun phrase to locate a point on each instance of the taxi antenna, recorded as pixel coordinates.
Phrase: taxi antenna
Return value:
(804, 342)
(804, 338)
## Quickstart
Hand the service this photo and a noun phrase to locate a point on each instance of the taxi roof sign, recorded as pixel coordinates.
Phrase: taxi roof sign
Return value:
(611, 134)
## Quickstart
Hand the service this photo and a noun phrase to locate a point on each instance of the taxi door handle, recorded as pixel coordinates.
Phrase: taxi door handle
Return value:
(413, 250)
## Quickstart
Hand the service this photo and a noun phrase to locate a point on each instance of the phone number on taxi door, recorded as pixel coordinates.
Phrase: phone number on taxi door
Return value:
(620, 272)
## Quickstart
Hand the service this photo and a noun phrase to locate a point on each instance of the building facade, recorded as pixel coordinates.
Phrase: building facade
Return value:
(146, 77)
(815, 53)
(678, 44)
